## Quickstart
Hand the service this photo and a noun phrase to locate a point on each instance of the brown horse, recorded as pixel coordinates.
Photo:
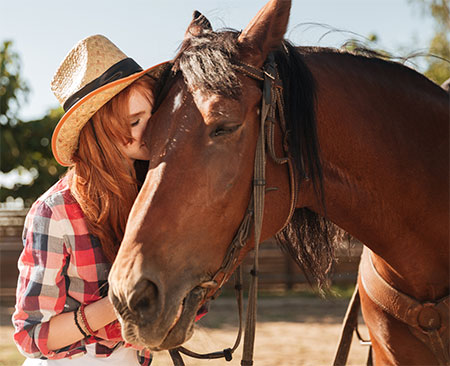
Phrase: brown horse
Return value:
(381, 173)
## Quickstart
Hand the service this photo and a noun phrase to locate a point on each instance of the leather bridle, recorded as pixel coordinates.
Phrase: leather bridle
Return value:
(272, 101)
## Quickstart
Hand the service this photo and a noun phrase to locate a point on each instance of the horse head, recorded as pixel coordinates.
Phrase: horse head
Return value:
(203, 136)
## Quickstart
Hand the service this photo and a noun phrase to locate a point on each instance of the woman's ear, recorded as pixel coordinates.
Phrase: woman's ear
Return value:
(265, 32)
(198, 26)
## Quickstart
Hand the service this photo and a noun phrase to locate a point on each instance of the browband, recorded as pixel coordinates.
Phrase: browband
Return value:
(120, 70)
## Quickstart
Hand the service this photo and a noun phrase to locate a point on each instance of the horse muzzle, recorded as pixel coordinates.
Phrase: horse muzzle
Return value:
(154, 321)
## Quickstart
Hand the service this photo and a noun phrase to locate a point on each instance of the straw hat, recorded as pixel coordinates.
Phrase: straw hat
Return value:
(92, 73)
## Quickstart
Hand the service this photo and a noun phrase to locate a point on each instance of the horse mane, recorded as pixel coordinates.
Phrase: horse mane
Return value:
(396, 65)
(206, 63)
(308, 237)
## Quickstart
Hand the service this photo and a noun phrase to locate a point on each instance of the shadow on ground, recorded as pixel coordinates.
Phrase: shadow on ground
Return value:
(224, 311)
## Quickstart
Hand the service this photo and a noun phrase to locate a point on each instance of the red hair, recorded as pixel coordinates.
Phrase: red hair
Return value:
(103, 179)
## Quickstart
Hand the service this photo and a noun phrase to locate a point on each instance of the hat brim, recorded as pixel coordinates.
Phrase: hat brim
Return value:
(67, 131)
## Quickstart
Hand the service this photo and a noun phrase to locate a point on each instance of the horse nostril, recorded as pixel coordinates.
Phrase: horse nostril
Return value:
(143, 299)
(142, 304)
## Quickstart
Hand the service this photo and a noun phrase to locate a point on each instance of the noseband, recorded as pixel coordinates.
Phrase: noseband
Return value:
(272, 100)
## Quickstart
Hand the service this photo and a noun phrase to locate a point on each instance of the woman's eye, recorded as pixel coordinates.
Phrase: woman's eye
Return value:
(135, 123)
(225, 130)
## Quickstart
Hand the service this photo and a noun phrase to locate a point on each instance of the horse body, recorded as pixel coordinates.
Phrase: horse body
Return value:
(383, 135)
(384, 138)
(383, 132)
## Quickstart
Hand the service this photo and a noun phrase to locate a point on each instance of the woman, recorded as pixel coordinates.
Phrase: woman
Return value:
(72, 232)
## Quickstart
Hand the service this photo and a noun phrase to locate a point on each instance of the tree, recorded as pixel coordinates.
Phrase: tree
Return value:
(13, 90)
(24, 146)
(438, 68)
(437, 57)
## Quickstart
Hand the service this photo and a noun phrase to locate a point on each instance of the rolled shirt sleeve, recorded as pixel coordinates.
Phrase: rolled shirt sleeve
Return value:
(41, 290)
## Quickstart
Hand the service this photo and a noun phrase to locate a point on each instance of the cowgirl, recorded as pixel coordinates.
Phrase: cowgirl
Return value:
(72, 232)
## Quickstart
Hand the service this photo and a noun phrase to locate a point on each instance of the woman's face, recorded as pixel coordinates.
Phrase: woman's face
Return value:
(139, 108)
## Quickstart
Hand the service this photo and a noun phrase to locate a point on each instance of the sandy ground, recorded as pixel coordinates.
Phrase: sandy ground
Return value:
(290, 331)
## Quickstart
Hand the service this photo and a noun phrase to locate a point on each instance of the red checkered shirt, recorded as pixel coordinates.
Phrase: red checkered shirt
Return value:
(61, 267)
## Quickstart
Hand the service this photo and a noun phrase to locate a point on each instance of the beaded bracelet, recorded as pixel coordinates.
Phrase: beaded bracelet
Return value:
(84, 320)
(75, 317)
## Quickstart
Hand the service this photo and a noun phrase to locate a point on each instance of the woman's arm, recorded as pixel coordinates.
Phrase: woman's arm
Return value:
(64, 332)
(42, 288)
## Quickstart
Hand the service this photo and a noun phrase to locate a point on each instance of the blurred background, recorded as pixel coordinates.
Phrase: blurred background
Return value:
(35, 36)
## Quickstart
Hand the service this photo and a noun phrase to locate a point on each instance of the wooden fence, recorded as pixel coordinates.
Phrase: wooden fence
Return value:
(277, 270)
(11, 225)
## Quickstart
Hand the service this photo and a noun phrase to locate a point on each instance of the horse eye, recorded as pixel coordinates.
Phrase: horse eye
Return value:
(224, 130)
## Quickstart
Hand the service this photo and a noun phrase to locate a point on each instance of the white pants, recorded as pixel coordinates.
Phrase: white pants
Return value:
(121, 357)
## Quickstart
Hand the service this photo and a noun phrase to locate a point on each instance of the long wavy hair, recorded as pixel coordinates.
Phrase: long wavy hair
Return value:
(103, 179)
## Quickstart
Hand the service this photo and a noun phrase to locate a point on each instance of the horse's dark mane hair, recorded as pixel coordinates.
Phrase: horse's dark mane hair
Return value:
(308, 237)
(206, 63)
(363, 53)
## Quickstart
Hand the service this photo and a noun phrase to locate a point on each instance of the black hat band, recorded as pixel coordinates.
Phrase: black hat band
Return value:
(120, 70)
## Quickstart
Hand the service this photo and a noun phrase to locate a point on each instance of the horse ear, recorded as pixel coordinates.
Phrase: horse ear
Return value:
(265, 32)
(198, 26)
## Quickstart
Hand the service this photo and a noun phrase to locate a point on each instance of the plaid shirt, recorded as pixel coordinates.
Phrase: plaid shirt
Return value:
(61, 267)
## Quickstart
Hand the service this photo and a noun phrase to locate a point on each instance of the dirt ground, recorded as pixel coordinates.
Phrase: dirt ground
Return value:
(290, 331)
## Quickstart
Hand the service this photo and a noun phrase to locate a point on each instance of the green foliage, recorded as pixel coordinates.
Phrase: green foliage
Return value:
(13, 90)
(437, 57)
(438, 68)
(23, 145)
(438, 9)
(27, 145)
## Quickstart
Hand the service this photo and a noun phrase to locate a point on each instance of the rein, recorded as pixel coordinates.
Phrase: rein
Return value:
(272, 100)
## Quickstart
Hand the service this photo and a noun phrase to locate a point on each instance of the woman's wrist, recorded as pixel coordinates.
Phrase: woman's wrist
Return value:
(98, 314)
(64, 330)
(79, 325)
(82, 322)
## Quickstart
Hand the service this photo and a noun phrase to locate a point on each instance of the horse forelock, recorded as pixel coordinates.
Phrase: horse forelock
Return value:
(206, 63)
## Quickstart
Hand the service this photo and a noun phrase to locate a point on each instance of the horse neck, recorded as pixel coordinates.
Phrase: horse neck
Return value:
(383, 134)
